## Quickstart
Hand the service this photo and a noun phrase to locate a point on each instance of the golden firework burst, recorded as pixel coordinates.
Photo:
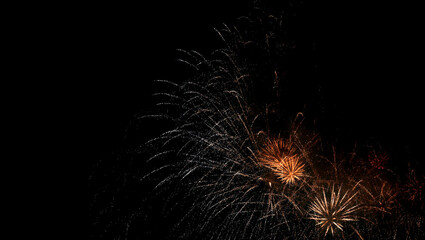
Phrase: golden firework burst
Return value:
(280, 157)
(331, 213)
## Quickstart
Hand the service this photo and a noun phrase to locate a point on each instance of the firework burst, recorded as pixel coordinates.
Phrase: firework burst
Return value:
(331, 212)
(380, 197)
(378, 160)
(280, 157)
(221, 158)
(414, 188)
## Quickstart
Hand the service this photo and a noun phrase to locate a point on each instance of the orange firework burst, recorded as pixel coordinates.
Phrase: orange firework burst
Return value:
(280, 157)
(331, 213)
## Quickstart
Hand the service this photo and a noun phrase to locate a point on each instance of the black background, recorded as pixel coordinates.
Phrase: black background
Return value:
(368, 58)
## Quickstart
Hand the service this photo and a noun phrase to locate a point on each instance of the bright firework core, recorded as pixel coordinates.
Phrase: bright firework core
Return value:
(280, 157)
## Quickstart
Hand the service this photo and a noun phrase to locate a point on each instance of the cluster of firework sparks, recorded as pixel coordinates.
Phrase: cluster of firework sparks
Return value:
(250, 183)
(247, 181)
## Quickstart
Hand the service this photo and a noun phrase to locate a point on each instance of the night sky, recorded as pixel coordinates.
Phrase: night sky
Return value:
(366, 59)
(369, 60)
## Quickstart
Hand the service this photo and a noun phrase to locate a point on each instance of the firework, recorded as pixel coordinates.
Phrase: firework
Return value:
(378, 160)
(280, 157)
(331, 212)
(215, 143)
(224, 158)
(414, 188)
(380, 197)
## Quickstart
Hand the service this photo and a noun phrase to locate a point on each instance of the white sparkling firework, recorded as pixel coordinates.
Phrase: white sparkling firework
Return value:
(331, 212)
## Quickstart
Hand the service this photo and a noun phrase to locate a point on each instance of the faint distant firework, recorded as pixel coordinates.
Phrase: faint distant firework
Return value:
(380, 197)
(414, 188)
(378, 160)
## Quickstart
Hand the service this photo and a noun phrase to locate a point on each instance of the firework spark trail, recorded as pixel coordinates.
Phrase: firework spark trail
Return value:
(219, 144)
